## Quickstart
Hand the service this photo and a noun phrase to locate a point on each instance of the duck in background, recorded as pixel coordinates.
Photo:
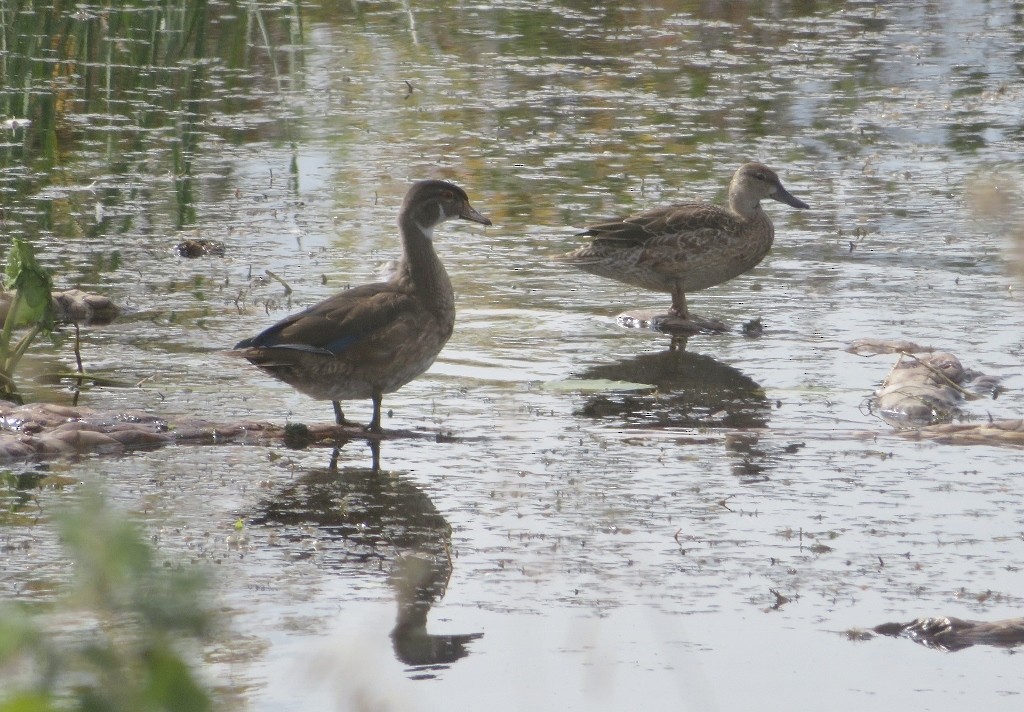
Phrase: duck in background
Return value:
(687, 247)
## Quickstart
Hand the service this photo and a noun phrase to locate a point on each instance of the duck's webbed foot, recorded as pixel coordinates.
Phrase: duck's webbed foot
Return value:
(339, 417)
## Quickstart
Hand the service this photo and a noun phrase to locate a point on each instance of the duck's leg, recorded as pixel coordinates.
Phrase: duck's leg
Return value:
(680, 319)
(374, 426)
(375, 455)
(679, 300)
(339, 417)
(678, 343)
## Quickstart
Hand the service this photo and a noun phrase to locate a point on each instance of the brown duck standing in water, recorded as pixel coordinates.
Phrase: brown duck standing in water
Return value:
(375, 338)
(687, 247)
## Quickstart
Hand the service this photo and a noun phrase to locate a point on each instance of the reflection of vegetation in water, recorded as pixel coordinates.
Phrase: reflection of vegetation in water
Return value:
(132, 615)
(18, 505)
(131, 80)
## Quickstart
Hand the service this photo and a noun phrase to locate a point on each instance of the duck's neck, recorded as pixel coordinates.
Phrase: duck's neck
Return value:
(746, 207)
(757, 220)
(420, 269)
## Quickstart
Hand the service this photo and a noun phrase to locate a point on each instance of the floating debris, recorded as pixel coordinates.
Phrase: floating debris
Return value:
(950, 634)
(199, 247)
(73, 306)
(928, 389)
(872, 347)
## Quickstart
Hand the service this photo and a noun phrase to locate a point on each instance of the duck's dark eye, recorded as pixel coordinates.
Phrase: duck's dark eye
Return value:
(447, 195)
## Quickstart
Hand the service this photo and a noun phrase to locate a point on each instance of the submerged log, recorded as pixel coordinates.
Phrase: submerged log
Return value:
(996, 432)
(41, 430)
(871, 347)
(920, 390)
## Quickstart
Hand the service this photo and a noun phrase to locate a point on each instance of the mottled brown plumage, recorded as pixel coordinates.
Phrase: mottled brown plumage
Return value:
(375, 338)
(688, 246)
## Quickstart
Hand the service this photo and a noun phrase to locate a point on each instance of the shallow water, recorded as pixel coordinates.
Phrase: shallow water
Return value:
(616, 548)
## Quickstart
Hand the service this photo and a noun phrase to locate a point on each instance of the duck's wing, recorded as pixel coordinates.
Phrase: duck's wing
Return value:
(686, 227)
(339, 323)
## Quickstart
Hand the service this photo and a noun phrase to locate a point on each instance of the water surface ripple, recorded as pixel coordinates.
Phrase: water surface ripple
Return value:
(628, 526)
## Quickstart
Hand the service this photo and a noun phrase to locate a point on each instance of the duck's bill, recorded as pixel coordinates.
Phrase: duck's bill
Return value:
(783, 196)
(469, 213)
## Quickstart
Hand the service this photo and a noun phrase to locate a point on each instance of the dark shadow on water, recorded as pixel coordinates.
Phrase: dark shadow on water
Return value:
(369, 521)
(689, 390)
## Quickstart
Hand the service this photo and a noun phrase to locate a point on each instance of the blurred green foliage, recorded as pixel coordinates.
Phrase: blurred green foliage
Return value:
(118, 638)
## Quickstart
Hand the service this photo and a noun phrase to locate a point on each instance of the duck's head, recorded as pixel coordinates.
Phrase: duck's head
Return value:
(754, 182)
(431, 202)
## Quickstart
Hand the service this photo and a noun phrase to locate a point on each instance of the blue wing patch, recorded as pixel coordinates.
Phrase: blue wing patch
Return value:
(266, 340)
(343, 342)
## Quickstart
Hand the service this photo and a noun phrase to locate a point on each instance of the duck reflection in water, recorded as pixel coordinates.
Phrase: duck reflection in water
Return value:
(374, 446)
(299, 436)
(688, 390)
(418, 581)
(366, 524)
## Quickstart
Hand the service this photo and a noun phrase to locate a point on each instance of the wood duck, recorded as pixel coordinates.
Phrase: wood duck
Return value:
(688, 246)
(373, 339)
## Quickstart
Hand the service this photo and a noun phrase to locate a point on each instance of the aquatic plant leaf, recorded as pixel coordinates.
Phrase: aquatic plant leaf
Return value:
(33, 285)
(111, 554)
